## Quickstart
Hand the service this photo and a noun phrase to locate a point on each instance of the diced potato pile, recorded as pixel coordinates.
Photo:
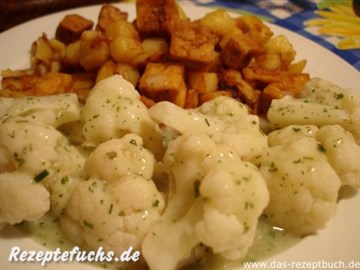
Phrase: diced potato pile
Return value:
(165, 55)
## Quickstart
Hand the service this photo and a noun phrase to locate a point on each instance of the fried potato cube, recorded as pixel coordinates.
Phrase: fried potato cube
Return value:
(94, 50)
(233, 81)
(83, 82)
(251, 25)
(164, 81)
(202, 82)
(53, 83)
(157, 18)
(110, 68)
(238, 49)
(219, 21)
(194, 44)
(298, 67)
(108, 15)
(161, 77)
(281, 45)
(271, 91)
(121, 28)
(125, 49)
(269, 61)
(153, 50)
(286, 79)
(192, 99)
(72, 53)
(71, 27)
(211, 95)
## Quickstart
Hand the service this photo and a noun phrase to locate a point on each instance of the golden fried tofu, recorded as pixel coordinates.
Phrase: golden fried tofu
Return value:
(71, 28)
(108, 15)
(157, 18)
(164, 81)
(237, 49)
(194, 44)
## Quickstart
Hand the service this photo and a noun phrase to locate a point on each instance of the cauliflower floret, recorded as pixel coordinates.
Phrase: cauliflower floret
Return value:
(215, 201)
(50, 110)
(113, 215)
(17, 193)
(303, 186)
(343, 153)
(32, 147)
(321, 103)
(226, 120)
(120, 157)
(114, 109)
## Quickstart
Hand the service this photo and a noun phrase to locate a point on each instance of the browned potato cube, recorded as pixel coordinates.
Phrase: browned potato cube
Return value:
(254, 27)
(194, 44)
(192, 99)
(238, 49)
(211, 95)
(161, 77)
(108, 15)
(71, 28)
(233, 81)
(164, 81)
(202, 82)
(157, 18)
(94, 51)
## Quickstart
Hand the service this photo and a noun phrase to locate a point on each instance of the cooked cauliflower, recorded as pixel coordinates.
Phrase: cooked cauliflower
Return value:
(303, 186)
(32, 147)
(50, 110)
(226, 120)
(120, 157)
(342, 152)
(320, 103)
(113, 109)
(113, 215)
(215, 200)
(17, 198)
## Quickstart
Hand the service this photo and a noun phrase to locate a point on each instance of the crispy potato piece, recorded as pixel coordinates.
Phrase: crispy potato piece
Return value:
(255, 28)
(211, 95)
(93, 51)
(121, 28)
(110, 68)
(284, 78)
(269, 61)
(157, 18)
(298, 67)
(125, 49)
(161, 77)
(237, 49)
(233, 81)
(72, 54)
(219, 21)
(83, 82)
(194, 44)
(71, 27)
(281, 45)
(153, 50)
(108, 15)
(192, 99)
(53, 83)
(164, 81)
(202, 82)
(105, 71)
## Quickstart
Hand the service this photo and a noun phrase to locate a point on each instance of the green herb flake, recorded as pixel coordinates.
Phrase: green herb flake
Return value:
(41, 176)
(64, 180)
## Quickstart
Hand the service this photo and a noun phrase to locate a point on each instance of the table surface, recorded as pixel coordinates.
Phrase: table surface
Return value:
(290, 14)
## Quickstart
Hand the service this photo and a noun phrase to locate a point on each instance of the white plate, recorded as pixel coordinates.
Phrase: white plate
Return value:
(339, 241)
